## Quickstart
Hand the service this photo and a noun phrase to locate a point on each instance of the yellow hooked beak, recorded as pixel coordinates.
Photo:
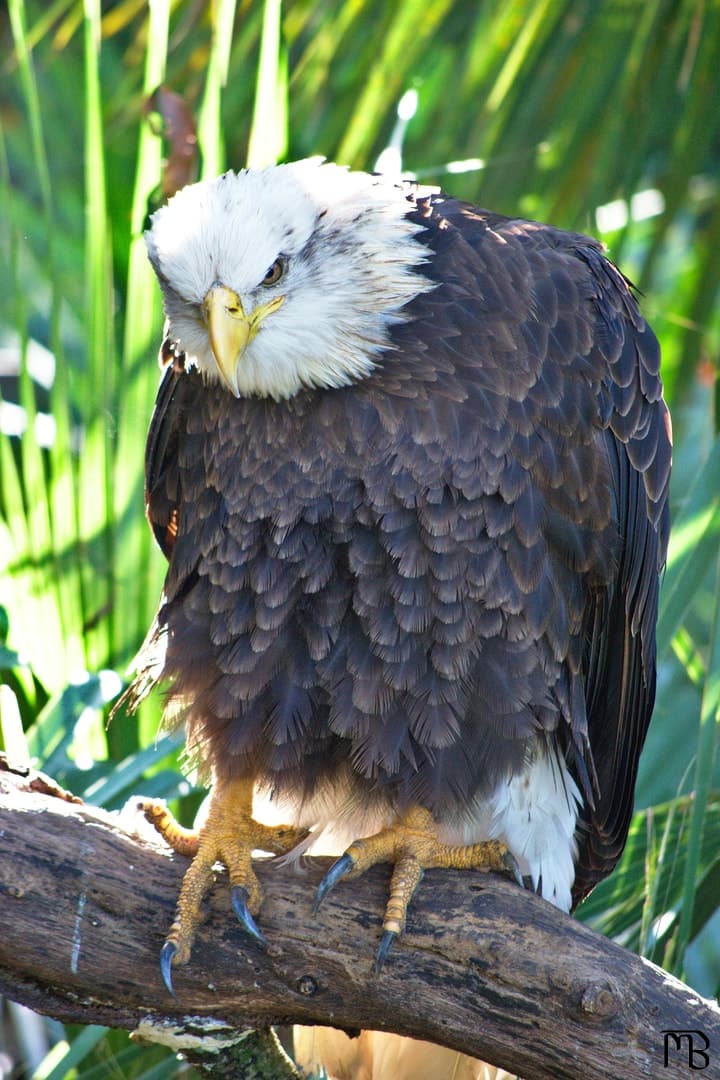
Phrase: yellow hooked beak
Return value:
(231, 330)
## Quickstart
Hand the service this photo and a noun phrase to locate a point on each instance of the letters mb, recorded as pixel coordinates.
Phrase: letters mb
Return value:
(697, 1047)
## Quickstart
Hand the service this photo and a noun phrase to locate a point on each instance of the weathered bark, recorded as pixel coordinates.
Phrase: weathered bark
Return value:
(485, 967)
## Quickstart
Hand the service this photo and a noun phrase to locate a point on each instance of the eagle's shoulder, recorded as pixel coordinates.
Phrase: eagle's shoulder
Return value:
(530, 320)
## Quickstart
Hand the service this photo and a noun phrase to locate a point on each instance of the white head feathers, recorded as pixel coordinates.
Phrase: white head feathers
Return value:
(349, 259)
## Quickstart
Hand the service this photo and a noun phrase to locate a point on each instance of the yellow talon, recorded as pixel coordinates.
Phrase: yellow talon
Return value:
(229, 836)
(413, 847)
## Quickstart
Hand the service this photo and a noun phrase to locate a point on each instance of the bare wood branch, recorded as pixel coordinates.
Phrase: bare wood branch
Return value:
(485, 968)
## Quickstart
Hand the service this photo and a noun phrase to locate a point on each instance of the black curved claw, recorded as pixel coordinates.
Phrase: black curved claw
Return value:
(383, 949)
(511, 865)
(167, 955)
(238, 899)
(338, 870)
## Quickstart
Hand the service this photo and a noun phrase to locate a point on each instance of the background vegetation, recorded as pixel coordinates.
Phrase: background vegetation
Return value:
(598, 117)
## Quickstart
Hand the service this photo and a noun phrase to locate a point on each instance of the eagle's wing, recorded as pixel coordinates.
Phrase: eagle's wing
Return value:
(162, 501)
(161, 468)
(619, 658)
(538, 321)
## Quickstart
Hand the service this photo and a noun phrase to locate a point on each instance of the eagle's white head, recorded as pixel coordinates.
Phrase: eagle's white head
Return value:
(286, 277)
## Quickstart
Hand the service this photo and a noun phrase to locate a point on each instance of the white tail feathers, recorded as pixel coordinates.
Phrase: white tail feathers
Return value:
(377, 1055)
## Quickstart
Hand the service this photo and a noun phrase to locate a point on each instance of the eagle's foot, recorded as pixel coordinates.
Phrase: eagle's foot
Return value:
(229, 836)
(413, 847)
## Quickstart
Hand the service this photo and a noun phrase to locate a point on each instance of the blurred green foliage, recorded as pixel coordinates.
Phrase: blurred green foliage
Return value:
(597, 117)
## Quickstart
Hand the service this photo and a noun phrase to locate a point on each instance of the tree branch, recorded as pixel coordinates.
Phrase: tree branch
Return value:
(485, 968)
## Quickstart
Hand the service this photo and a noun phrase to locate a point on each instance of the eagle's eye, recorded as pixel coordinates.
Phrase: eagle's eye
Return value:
(275, 272)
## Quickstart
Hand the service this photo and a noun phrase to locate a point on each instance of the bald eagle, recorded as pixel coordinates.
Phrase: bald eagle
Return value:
(409, 465)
